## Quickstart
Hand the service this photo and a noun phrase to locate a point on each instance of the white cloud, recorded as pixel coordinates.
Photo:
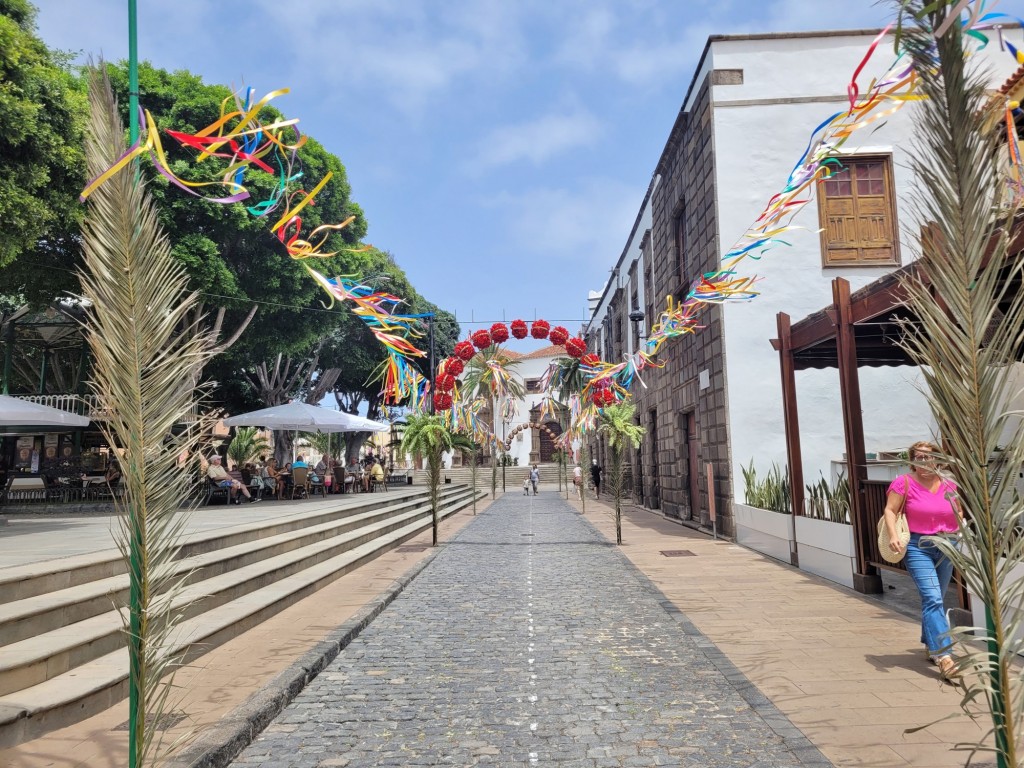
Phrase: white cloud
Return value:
(588, 224)
(536, 140)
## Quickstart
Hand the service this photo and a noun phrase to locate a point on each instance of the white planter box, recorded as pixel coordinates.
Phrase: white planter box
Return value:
(760, 529)
(826, 549)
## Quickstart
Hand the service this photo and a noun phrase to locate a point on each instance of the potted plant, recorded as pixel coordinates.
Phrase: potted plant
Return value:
(824, 535)
(764, 523)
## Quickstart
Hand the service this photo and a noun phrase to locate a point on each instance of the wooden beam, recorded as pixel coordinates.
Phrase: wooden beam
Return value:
(789, 409)
(865, 578)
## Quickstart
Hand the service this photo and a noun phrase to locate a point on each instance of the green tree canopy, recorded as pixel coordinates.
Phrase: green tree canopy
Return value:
(42, 114)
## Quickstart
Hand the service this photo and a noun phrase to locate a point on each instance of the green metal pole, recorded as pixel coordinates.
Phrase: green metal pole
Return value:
(133, 74)
(136, 724)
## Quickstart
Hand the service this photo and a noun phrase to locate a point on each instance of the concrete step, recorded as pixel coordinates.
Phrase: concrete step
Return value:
(38, 614)
(20, 582)
(224, 606)
(40, 657)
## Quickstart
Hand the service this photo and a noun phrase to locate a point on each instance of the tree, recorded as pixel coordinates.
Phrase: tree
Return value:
(426, 434)
(42, 116)
(569, 382)
(353, 356)
(617, 425)
(490, 374)
(247, 445)
(966, 343)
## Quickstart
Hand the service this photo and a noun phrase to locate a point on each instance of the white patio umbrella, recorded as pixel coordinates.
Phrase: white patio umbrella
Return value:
(308, 418)
(15, 412)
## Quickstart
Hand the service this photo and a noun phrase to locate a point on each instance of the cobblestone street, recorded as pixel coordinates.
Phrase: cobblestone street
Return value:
(529, 640)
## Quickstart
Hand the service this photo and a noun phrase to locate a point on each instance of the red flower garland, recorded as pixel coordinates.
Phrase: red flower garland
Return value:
(453, 366)
(540, 328)
(604, 397)
(558, 335)
(442, 401)
(590, 359)
(445, 382)
(577, 347)
(519, 329)
(499, 333)
(464, 350)
(481, 339)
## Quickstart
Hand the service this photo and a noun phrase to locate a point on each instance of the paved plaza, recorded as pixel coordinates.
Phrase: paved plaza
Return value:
(530, 640)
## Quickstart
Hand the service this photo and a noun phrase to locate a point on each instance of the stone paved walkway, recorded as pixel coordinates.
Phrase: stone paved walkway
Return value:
(530, 641)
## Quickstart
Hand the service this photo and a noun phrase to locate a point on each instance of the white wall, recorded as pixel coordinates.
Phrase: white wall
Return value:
(756, 146)
(530, 368)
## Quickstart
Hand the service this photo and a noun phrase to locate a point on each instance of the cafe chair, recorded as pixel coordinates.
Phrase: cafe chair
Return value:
(300, 482)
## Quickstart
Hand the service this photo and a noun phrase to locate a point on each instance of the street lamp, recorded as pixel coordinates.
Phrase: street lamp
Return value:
(636, 317)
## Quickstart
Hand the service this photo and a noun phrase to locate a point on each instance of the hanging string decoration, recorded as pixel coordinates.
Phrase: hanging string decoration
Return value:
(241, 137)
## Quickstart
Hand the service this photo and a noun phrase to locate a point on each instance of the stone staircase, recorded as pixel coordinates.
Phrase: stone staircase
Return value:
(62, 650)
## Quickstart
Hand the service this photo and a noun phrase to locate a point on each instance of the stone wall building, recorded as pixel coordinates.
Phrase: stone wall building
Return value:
(715, 405)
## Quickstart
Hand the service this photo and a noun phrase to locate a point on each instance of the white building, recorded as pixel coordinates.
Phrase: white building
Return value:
(746, 119)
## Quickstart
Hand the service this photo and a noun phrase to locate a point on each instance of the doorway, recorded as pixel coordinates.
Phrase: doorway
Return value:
(655, 497)
(689, 465)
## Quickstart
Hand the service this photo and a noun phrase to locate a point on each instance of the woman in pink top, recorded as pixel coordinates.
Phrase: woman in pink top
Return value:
(930, 505)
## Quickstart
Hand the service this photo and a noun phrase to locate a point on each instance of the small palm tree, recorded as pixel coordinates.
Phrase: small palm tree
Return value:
(491, 374)
(569, 381)
(247, 445)
(426, 434)
(617, 425)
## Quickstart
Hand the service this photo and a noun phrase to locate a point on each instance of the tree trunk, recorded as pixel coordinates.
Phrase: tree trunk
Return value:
(494, 453)
(434, 471)
(617, 490)
(472, 474)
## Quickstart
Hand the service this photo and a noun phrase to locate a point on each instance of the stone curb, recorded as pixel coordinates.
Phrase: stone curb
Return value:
(224, 741)
(794, 739)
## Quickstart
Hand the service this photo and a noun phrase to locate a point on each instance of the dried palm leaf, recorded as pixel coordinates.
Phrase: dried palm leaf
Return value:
(971, 331)
(146, 360)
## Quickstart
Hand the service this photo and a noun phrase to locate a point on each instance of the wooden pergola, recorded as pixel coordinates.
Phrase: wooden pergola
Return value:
(858, 329)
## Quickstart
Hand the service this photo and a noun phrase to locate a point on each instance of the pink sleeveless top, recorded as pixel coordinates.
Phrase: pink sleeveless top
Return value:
(927, 512)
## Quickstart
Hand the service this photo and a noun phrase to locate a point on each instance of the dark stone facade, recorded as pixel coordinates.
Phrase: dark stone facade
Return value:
(685, 414)
(687, 406)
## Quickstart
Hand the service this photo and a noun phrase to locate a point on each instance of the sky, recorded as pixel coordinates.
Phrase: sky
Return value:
(500, 149)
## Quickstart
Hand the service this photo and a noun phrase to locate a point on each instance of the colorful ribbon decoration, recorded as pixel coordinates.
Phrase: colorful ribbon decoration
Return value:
(239, 137)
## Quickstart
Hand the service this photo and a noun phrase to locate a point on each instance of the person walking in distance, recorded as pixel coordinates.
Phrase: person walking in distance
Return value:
(577, 480)
(595, 476)
(534, 478)
(930, 504)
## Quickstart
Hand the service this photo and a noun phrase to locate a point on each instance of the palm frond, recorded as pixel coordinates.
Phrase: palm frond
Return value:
(146, 362)
(247, 445)
(970, 333)
(428, 435)
(617, 424)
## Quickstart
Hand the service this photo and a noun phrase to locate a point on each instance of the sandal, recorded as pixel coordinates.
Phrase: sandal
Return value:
(947, 668)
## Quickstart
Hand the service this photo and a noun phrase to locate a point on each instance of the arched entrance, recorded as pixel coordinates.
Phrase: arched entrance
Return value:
(548, 435)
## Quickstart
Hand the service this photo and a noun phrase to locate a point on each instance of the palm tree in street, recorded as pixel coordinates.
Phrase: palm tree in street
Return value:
(617, 425)
(490, 374)
(426, 434)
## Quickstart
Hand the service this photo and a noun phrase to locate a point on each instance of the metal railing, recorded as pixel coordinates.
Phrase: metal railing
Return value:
(86, 405)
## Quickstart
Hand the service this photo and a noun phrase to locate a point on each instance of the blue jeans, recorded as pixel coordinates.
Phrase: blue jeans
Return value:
(931, 572)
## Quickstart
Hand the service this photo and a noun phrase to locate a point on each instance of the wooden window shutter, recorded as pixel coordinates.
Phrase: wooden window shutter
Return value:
(858, 214)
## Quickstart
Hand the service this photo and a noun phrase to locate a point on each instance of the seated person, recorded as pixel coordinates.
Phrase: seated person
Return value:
(299, 463)
(353, 473)
(220, 476)
(376, 473)
(272, 478)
